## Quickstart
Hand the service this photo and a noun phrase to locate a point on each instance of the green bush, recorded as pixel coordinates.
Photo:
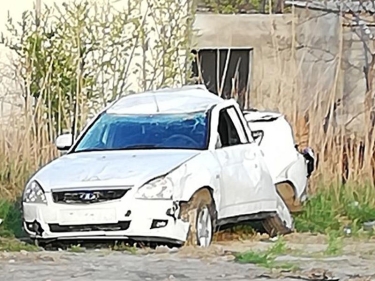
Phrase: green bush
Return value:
(10, 213)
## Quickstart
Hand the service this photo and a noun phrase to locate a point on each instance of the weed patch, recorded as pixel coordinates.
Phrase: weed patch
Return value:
(335, 244)
(76, 249)
(267, 258)
(335, 209)
(10, 213)
(123, 247)
(14, 245)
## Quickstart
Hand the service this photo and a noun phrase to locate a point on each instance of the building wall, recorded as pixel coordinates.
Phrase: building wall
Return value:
(317, 43)
(270, 36)
(355, 58)
(332, 58)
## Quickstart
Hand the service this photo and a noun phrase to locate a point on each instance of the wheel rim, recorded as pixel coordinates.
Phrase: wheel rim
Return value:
(204, 228)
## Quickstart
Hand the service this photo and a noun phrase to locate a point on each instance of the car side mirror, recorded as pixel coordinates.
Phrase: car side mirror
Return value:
(64, 142)
(257, 136)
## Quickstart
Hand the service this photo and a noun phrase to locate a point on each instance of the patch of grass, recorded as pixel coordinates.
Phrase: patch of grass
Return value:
(123, 247)
(10, 213)
(335, 244)
(333, 209)
(76, 249)
(341, 210)
(267, 258)
(15, 245)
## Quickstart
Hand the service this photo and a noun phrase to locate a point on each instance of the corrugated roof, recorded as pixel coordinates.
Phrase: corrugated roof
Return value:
(336, 6)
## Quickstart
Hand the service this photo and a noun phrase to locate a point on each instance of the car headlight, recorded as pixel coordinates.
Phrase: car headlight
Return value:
(160, 188)
(34, 194)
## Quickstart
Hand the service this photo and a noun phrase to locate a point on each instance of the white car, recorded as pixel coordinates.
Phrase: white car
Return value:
(289, 168)
(168, 166)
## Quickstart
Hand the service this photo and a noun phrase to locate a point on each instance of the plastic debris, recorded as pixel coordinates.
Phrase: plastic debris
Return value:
(347, 230)
(369, 225)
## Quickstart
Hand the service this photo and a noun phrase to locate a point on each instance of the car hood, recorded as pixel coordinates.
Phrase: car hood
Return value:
(110, 168)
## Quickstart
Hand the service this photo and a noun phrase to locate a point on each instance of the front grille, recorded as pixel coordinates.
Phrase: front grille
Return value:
(121, 225)
(88, 196)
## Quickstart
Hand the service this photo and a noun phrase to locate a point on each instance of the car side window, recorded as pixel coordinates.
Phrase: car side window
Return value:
(227, 131)
(238, 124)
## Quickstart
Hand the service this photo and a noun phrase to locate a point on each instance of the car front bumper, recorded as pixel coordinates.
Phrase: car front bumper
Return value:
(145, 220)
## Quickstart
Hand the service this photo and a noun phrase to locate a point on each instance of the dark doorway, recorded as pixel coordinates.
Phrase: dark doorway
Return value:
(224, 71)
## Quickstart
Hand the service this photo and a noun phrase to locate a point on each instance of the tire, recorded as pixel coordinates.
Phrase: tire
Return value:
(40, 243)
(46, 244)
(199, 211)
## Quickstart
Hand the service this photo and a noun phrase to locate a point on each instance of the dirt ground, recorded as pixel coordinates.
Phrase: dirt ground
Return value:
(357, 262)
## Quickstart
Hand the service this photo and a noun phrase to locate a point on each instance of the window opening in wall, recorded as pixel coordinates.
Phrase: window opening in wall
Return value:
(224, 71)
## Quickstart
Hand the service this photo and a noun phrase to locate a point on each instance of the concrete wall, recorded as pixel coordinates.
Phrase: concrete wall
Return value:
(326, 44)
(317, 43)
(355, 58)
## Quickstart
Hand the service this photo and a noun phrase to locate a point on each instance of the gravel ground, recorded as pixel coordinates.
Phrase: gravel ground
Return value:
(215, 263)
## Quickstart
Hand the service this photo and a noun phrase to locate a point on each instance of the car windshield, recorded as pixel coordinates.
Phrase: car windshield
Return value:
(159, 131)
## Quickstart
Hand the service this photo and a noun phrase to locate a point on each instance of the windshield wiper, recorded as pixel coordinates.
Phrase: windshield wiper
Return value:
(89, 150)
(140, 146)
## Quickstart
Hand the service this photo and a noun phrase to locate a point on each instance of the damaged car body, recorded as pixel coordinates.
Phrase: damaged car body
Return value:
(171, 165)
(289, 167)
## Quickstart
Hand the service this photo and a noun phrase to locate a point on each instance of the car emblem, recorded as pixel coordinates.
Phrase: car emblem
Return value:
(87, 196)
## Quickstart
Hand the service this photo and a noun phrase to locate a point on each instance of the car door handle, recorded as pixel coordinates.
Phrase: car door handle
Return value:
(226, 156)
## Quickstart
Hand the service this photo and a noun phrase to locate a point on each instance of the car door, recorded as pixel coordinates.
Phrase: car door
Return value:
(240, 168)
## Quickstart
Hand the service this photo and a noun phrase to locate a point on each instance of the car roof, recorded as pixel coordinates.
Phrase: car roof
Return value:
(171, 100)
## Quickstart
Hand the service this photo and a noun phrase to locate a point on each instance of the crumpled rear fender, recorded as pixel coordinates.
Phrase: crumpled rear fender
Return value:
(296, 174)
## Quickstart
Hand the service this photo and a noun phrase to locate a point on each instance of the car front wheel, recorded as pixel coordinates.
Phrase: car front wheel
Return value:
(200, 213)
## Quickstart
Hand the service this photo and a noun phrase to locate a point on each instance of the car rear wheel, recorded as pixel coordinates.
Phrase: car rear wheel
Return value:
(200, 213)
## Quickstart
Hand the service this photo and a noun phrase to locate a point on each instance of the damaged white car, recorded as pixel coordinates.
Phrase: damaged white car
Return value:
(169, 166)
